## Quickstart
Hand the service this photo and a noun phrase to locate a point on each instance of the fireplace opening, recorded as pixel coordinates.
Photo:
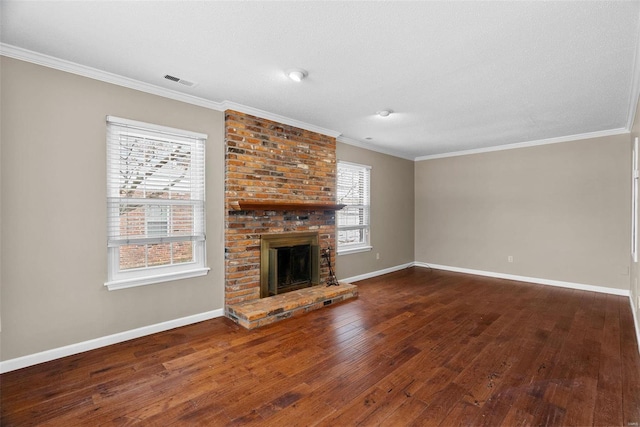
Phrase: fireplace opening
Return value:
(288, 262)
(289, 268)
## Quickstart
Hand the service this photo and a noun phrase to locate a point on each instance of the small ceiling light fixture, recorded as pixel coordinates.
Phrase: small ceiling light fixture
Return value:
(296, 74)
(384, 113)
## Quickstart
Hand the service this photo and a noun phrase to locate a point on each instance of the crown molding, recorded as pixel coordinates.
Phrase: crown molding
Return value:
(360, 144)
(104, 76)
(568, 138)
(230, 105)
(96, 74)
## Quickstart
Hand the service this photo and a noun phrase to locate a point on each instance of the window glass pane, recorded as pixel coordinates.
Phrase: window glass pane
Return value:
(182, 220)
(346, 237)
(133, 256)
(182, 252)
(352, 216)
(158, 254)
(132, 220)
(155, 255)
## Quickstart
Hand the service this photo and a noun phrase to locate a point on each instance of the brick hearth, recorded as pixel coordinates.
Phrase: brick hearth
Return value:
(267, 161)
(261, 312)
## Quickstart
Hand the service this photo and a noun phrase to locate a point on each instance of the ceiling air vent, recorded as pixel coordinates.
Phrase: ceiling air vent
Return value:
(179, 80)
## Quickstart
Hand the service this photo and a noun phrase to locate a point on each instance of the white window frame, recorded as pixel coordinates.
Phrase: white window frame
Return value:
(634, 202)
(365, 208)
(121, 279)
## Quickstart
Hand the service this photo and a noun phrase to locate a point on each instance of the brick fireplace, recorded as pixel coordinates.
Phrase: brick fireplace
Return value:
(279, 180)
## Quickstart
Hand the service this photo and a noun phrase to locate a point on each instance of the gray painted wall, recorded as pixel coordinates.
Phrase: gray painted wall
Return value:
(54, 211)
(561, 210)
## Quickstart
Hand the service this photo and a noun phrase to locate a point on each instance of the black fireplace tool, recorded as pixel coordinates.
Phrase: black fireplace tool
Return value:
(331, 281)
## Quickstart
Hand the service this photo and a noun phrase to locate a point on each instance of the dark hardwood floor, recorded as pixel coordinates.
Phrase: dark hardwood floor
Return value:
(418, 347)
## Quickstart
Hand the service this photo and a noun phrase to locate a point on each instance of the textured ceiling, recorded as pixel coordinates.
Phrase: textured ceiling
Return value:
(458, 75)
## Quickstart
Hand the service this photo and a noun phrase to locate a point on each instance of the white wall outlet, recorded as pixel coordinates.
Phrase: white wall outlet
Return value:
(510, 258)
(377, 255)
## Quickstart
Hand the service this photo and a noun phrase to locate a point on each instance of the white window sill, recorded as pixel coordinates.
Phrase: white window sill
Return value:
(149, 280)
(348, 251)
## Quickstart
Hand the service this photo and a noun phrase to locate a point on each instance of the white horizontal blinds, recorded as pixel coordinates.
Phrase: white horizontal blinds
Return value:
(155, 185)
(353, 191)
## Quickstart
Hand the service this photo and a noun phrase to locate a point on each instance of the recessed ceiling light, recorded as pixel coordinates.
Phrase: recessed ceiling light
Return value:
(296, 74)
(384, 113)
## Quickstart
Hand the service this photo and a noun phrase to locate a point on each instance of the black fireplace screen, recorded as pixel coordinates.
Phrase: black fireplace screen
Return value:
(291, 268)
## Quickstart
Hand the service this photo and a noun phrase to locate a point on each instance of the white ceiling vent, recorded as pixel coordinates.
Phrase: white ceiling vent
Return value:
(179, 80)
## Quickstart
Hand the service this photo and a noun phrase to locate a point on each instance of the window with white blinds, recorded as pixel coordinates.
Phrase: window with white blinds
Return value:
(155, 203)
(353, 220)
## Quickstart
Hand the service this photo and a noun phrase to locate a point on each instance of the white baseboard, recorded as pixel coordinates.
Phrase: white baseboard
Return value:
(376, 273)
(57, 353)
(558, 283)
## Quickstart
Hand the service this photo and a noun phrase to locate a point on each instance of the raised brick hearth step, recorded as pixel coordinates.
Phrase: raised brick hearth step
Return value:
(261, 312)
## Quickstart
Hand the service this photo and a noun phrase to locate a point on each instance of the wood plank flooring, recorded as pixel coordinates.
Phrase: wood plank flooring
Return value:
(419, 347)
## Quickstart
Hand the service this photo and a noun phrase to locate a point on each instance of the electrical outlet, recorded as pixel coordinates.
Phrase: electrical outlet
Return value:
(378, 255)
(510, 258)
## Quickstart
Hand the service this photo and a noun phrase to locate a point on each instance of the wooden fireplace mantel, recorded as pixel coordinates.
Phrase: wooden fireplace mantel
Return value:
(286, 206)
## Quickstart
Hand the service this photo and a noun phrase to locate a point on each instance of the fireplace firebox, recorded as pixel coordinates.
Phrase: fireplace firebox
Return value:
(288, 261)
